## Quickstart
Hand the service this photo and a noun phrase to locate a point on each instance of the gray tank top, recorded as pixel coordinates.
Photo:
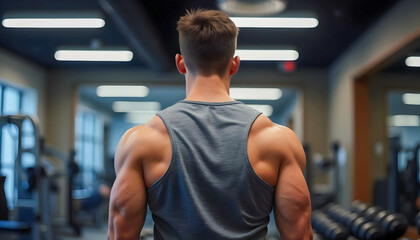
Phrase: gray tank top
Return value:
(210, 190)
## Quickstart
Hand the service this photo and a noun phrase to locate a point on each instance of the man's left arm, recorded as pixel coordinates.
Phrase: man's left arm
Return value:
(128, 201)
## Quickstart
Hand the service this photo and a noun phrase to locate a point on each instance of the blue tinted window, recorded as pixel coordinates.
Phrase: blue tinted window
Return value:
(12, 103)
(89, 143)
(11, 100)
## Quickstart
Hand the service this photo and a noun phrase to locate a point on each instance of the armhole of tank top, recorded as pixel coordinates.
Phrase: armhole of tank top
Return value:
(164, 176)
(245, 151)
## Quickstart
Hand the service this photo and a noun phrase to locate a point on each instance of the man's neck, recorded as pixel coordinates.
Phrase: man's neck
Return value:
(211, 88)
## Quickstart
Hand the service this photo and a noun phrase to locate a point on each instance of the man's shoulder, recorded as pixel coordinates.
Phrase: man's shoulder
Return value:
(272, 138)
(149, 133)
(143, 140)
(269, 130)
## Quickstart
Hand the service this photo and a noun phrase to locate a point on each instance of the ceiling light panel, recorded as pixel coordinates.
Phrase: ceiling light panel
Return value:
(94, 55)
(254, 7)
(404, 121)
(413, 61)
(53, 19)
(122, 91)
(267, 55)
(274, 22)
(256, 93)
(411, 98)
(53, 23)
(139, 107)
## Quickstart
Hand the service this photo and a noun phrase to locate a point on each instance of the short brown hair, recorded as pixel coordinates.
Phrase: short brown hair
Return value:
(207, 39)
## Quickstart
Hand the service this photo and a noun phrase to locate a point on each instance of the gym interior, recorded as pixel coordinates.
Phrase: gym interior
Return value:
(345, 79)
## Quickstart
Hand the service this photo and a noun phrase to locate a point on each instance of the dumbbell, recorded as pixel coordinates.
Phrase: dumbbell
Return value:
(320, 223)
(359, 226)
(338, 213)
(328, 228)
(362, 228)
(317, 236)
(394, 224)
(359, 207)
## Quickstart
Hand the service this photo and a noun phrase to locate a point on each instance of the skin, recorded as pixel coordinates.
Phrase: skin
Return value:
(144, 152)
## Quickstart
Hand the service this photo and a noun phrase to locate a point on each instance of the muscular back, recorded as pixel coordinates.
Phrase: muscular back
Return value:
(268, 145)
(274, 152)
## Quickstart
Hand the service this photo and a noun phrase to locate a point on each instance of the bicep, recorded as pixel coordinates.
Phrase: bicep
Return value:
(128, 205)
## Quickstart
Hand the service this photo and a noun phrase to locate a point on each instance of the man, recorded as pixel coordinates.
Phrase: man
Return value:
(209, 166)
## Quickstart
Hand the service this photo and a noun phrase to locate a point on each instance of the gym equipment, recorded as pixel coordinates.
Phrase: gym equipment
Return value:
(418, 222)
(359, 226)
(403, 181)
(90, 202)
(33, 202)
(317, 236)
(68, 162)
(394, 224)
(4, 210)
(328, 228)
(72, 169)
(329, 166)
(36, 184)
(8, 228)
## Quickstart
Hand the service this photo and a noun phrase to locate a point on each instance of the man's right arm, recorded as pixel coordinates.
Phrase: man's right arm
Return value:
(292, 206)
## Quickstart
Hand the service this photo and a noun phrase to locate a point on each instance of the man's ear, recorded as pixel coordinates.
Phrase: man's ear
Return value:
(180, 64)
(234, 66)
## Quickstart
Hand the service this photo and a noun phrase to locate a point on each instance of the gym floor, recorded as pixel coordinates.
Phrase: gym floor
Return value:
(90, 233)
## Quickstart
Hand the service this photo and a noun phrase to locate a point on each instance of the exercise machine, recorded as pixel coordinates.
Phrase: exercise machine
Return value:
(329, 166)
(403, 179)
(30, 198)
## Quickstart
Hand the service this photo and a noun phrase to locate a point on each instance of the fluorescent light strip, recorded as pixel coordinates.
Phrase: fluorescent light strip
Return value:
(122, 91)
(256, 93)
(94, 55)
(274, 22)
(251, 8)
(411, 98)
(267, 55)
(129, 106)
(404, 121)
(139, 118)
(413, 61)
(53, 23)
(267, 110)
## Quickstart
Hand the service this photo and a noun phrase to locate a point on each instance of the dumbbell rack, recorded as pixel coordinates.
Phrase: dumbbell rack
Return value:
(361, 221)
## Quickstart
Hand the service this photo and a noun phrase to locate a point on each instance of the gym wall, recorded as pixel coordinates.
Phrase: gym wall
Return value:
(385, 36)
(23, 74)
(312, 83)
(379, 86)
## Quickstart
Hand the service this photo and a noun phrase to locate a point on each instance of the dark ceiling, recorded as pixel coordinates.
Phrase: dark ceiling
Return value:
(397, 63)
(340, 24)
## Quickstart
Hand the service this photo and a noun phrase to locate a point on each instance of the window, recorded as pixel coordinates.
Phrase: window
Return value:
(89, 147)
(14, 101)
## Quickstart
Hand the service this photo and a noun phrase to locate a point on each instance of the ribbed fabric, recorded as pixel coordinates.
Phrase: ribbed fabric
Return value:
(210, 190)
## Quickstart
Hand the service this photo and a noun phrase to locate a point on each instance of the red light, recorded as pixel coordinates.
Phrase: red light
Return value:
(289, 67)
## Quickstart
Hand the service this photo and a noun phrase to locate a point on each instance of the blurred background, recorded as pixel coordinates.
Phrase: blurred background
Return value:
(76, 74)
